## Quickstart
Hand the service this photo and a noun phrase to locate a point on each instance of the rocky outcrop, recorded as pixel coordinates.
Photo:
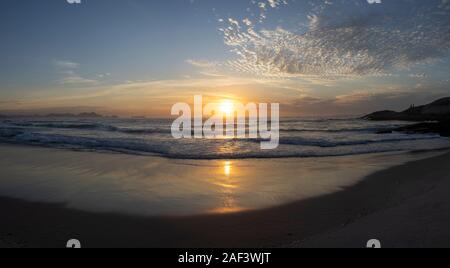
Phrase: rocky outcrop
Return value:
(434, 118)
(436, 111)
(442, 128)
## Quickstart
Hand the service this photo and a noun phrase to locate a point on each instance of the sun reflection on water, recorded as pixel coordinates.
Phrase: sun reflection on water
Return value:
(227, 168)
(228, 186)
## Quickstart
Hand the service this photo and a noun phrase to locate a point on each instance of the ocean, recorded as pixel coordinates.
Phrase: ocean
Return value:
(134, 166)
(303, 137)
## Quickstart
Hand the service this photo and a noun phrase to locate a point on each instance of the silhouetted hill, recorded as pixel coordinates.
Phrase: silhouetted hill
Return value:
(82, 115)
(435, 111)
(63, 115)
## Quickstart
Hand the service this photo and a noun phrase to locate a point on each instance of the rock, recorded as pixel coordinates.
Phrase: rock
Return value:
(435, 118)
(435, 111)
(441, 128)
(383, 115)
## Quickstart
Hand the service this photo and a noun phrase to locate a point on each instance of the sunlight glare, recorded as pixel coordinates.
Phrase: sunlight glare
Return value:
(227, 168)
(227, 107)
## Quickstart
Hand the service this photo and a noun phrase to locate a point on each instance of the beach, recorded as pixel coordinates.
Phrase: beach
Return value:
(405, 205)
(413, 213)
(225, 124)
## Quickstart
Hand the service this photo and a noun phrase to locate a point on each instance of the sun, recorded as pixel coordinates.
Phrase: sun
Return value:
(226, 107)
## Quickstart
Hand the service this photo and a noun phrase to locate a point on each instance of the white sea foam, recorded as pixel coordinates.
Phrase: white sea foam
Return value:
(298, 138)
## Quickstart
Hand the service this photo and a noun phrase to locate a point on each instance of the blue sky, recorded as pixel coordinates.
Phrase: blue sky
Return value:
(141, 56)
(132, 39)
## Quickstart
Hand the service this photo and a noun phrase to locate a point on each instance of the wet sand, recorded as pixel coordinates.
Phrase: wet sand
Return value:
(404, 206)
(413, 212)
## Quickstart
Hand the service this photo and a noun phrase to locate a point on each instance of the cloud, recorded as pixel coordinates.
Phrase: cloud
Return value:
(66, 64)
(70, 75)
(361, 102)
(103, 75)
(265, 5)
(345, 38)
(276, 3)
(75, 79)
(7, 103)
(202, 63)
(148, 95)
(208, 68)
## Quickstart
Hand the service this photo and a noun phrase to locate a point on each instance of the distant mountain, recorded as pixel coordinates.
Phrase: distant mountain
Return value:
(64, 115)
(81, 115)
(435, 118)
(435, 111)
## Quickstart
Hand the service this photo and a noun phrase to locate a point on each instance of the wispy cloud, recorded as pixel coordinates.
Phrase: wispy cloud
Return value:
(148, 95)
(76, 79)
(202, 63)
(362, 101)
(345, 38)
(66, 64)
(69, 71)
(209, 68)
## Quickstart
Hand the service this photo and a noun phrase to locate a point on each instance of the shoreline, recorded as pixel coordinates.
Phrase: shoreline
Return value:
(131, 153)
(416, 213)
(329, 220)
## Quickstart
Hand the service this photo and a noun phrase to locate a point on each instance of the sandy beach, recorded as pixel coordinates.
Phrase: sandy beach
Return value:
(413, 212)
(403, 206)
(225, 124)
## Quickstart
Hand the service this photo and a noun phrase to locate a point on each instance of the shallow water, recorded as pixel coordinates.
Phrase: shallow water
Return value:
(154, 186)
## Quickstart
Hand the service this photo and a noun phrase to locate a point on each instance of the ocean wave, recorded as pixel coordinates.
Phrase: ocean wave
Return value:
(10, 132)
(63, 125)
(135, 128)
(91, 126)
(314, 138)
(144, 131)
(211, 149)
(55, 140)
(338, 143)
(336, 130)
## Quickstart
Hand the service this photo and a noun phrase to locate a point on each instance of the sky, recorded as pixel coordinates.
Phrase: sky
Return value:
(139, 57)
